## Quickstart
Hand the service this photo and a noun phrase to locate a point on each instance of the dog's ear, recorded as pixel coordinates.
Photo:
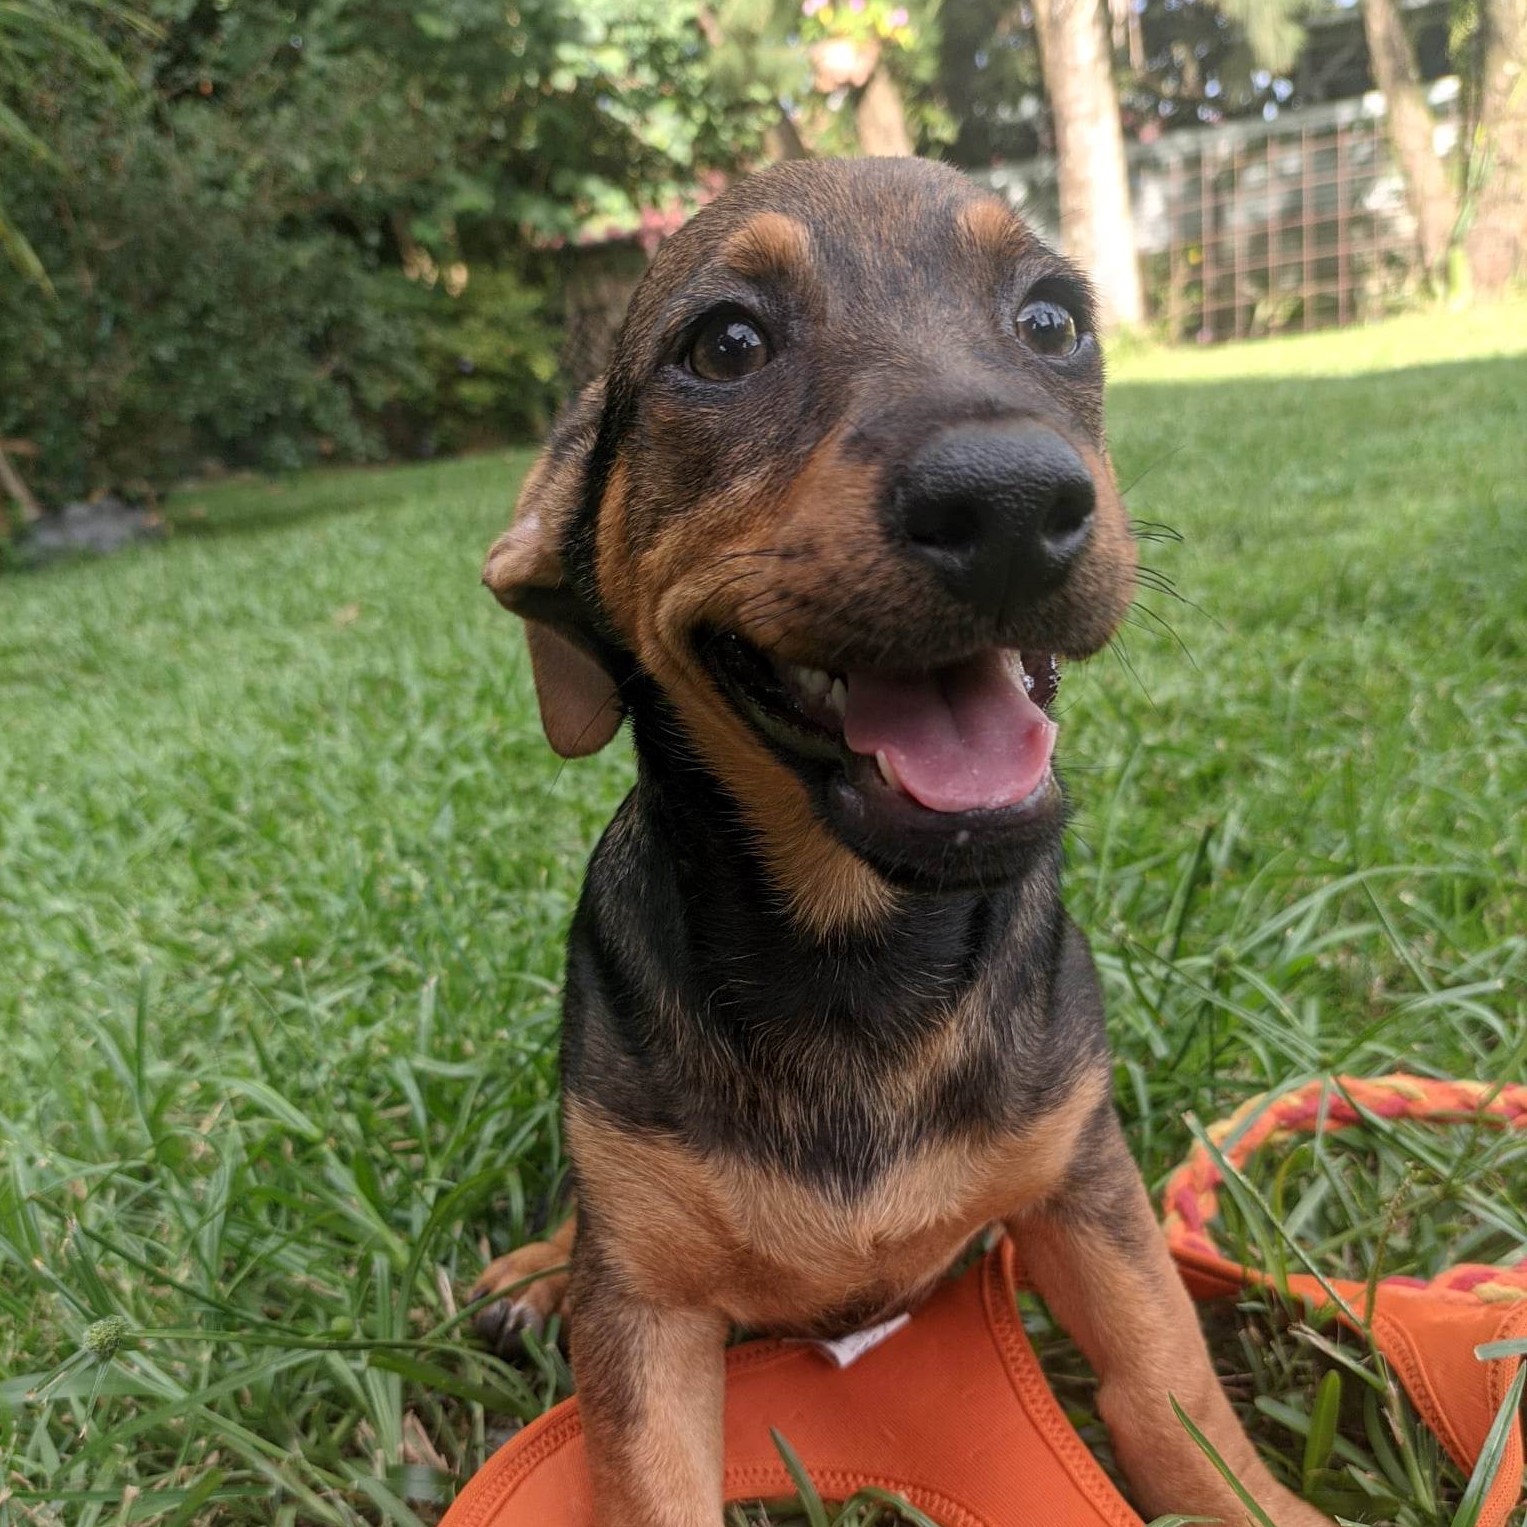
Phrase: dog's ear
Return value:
(580, 706)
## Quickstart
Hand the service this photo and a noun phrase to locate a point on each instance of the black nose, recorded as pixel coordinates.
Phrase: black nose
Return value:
(1001, 511)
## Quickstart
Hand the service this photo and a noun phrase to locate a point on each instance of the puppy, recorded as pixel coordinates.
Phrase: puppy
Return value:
(824, 532)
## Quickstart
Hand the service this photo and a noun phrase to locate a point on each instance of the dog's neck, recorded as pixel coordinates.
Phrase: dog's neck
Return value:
(761, 961)
(698, 1005)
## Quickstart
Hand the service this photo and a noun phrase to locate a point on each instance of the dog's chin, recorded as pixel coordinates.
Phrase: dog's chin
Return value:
(939, 780)
(925, 850)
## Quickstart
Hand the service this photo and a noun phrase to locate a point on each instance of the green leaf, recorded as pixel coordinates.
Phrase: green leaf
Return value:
(1491, 1455)
(903, 1508)
(432, 1377)
(1210, 1452)
(1491, 1351)
(196, 1497)
(23, 256)
(266, 1098)
(1321, 1438)
(811, 1502)
(396, 1511)
(15, 132)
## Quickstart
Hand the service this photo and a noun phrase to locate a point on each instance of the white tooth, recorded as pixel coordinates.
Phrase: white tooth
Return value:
(887, 772)
(1019, 672)
(837, 697)
(811, 682)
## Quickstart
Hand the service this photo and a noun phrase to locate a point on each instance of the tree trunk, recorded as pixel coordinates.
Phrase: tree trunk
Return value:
(1393, 61)
(1096, 225)
(880, 119)
(13, 487)
(1497, 241)
(783, 141)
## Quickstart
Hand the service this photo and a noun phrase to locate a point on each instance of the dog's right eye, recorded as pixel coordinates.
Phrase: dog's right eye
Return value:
(728, 347)
(1048, 329)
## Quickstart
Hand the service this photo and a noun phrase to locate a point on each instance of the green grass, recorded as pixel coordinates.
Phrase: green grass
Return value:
(285, 866)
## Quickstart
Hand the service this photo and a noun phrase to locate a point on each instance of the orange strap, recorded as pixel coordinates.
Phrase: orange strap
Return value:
(953, 1412)
(1426, 1330)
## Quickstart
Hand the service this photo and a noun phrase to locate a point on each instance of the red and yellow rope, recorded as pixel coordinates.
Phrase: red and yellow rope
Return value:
(1191, 1199)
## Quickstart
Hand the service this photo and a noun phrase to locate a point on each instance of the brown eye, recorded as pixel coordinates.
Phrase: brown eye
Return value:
(728, 348)
(1047, 328)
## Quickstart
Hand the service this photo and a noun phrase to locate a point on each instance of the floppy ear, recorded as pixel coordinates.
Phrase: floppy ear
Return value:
(580, 707)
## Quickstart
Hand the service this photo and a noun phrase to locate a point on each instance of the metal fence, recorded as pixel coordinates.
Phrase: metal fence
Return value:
(1263, 227)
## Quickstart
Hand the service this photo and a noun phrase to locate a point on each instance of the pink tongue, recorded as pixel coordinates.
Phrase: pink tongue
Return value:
(960, 739)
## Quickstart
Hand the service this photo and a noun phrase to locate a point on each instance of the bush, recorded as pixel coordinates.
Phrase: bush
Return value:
(484, 361)
(191, 329)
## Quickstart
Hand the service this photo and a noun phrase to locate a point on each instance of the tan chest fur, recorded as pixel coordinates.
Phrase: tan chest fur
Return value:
(770, 1251)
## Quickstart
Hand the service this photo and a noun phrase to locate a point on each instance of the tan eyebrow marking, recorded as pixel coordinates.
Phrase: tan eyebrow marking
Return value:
(767, 245)
(989, 227)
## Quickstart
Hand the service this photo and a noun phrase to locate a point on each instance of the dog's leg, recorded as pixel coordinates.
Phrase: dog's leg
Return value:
(526, 1305)
(651, 1383)
(1100, 1262)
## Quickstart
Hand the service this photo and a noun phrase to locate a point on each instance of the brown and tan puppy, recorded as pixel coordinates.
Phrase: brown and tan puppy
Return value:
(823, 533)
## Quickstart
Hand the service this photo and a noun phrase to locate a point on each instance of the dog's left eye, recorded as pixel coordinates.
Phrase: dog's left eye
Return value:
(1047, 328)
(729, 347)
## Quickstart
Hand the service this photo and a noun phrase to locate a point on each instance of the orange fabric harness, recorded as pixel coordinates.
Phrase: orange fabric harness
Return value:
(953, 1412)
(1426, 1330)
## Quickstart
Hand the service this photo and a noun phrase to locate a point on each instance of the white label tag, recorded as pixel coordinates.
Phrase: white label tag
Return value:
(849, 1349)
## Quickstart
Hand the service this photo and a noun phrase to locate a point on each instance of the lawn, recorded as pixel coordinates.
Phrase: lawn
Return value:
(285, 867)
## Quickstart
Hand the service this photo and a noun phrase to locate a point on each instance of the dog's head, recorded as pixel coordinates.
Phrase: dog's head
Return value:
(838, 507)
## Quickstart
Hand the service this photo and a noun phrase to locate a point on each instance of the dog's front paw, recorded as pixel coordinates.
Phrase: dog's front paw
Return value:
(533, 1284)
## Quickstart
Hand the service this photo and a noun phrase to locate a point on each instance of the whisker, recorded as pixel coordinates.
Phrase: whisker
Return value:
(1161, 584)
(1156, 530)
(1158, 580)
(744, 576)
(1120, 650)
(1146, 471)
(1163, 624)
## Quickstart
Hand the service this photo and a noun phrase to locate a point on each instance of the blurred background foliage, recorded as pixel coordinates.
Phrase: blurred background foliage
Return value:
(263, 233)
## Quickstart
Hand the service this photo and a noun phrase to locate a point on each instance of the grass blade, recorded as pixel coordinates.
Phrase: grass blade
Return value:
(1207, 1448)
(1321, 1439)
(811, 1502)
(1492, 1454)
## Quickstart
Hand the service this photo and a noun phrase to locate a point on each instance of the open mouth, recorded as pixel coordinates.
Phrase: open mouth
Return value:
(967, 737)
